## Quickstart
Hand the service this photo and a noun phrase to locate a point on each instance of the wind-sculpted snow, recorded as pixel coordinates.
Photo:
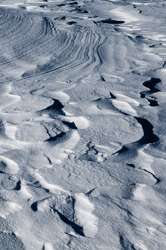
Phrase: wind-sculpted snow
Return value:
(82, 125)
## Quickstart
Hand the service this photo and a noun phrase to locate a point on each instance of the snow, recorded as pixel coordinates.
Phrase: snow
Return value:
(82, 124)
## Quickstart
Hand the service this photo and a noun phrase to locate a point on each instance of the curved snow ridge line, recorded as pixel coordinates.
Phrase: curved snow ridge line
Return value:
(82, 42)
(147, 138)
(67, 140)
(22, 25)
(80, 121)
(151, 84)
(59, 95)
(124, 107)
(54, 189)
(8, 166)
(60, 147)
(78, 52)
(22, 187)
(113, 55)
(147, 160)
(72, 142)
(82, 209)
(74, 210)
(127, 99)
(36, 33)
(93, 109)
(18, 24)
(83, 212)
(122, 103)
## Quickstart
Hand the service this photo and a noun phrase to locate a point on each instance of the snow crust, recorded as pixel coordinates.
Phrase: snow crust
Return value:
(82, 125)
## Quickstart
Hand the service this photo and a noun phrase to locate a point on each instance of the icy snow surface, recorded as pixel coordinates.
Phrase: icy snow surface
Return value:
(82, 125)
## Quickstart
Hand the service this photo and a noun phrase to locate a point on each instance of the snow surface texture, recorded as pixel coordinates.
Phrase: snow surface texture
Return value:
(82, 125)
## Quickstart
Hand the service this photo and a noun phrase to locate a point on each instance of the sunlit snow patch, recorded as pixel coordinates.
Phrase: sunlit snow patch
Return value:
(127, 16)
(124, 107)
(8, 207)
(48, 246)
(73, 140)
(51, 187)
(147, 160)
(10, 130)
(59, 95)
(137, 194)
(140, 246)
(127, 99)
(80, 121)
(83, 212)
(8, 166)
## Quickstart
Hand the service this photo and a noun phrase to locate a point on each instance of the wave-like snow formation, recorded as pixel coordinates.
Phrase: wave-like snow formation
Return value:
(82, 124)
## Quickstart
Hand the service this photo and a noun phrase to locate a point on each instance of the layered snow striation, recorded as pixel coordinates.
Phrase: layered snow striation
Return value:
(82, 125)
